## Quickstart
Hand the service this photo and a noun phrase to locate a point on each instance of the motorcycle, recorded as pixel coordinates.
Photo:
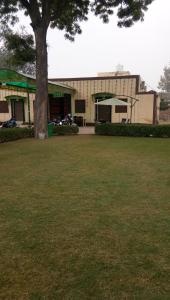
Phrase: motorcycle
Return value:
(9, 124)
(66, 121)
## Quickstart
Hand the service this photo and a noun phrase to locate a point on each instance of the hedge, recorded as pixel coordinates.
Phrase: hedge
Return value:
(136, 130)
(12, 134)
(65, 129)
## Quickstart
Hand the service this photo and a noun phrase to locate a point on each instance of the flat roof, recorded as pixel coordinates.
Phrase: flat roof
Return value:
(95, 78)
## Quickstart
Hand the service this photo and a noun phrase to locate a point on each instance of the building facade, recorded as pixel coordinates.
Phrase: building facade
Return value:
(17, 97)
(79, 96)
(143, 105)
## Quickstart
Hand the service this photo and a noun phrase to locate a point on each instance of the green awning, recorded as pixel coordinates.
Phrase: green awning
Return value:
(58, 94)
(103, 95)
(18, 84)
(15, 97)
(10, 79)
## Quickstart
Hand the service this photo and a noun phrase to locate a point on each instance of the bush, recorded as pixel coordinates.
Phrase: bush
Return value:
(12, 134)
(133, 130)
(65, 129)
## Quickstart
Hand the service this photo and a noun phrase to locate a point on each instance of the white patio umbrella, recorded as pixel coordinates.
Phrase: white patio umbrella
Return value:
(111, 102)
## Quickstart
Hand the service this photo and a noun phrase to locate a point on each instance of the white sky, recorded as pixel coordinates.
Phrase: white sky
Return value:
(143, 49)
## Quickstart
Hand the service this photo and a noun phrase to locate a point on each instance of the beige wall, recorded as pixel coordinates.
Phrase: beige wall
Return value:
(5, 92)
(142, 111)
(85, 89)
(6, 116)
(31, 98)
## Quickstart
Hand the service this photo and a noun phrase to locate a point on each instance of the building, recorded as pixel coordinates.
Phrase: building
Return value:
(17, 96)
(79, 96)
(143, 105)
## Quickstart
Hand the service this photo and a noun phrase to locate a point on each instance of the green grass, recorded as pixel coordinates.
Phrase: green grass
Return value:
(85, 217)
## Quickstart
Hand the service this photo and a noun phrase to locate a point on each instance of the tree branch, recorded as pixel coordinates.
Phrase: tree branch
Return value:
(26, 4)
(35, 14)
(46, 5)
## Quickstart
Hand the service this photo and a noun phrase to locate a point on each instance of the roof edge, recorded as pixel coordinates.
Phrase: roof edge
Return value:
(94, 78)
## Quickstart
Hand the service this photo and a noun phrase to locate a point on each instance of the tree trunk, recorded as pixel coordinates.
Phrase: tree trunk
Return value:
(41, 101)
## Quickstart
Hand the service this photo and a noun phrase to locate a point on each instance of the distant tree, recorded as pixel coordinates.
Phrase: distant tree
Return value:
(164, 83)
(64, 15)
(4, 59)
(18, 51)
(164, 104)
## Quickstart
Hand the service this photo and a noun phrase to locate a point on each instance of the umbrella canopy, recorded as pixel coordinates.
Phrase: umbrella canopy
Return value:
(112, 101)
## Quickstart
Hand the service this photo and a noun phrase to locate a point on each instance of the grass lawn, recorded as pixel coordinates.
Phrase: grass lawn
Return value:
(85, 217)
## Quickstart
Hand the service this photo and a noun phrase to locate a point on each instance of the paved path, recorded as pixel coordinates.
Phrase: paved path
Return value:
(86, 130)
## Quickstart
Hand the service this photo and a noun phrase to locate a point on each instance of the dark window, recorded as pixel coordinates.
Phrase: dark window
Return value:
(4, 107)
(121, 108)
(80, 106)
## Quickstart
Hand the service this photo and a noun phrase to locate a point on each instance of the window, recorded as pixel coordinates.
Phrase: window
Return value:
(4, 107)
(121, 108)
(80, 106)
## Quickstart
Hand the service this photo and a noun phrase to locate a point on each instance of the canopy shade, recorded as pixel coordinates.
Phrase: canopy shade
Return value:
(113, 102)
(10, 79)
(19, 84)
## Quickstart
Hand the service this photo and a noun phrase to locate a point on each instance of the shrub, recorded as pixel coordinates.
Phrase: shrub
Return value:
(12, 134)
(133, 130)
(65, 129)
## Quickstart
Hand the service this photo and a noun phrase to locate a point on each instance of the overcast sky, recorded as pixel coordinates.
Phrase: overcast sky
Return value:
(143, 49)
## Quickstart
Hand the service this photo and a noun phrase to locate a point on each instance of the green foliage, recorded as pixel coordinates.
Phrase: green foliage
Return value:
(22, 48)
(65, 129)
(134, 130)
(4, 59)
(128, 11)
(18, 51)
(12, 134)
(8, 10)
(66, 15)
(164, 83)
(163, 105)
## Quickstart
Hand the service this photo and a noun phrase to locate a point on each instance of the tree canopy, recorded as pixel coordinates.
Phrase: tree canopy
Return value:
(65, 15)
(18, 51)
(164, 83)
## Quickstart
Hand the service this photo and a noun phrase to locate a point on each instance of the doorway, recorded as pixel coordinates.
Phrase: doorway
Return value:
(17, 110)
(59, 107)
(103, 113)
